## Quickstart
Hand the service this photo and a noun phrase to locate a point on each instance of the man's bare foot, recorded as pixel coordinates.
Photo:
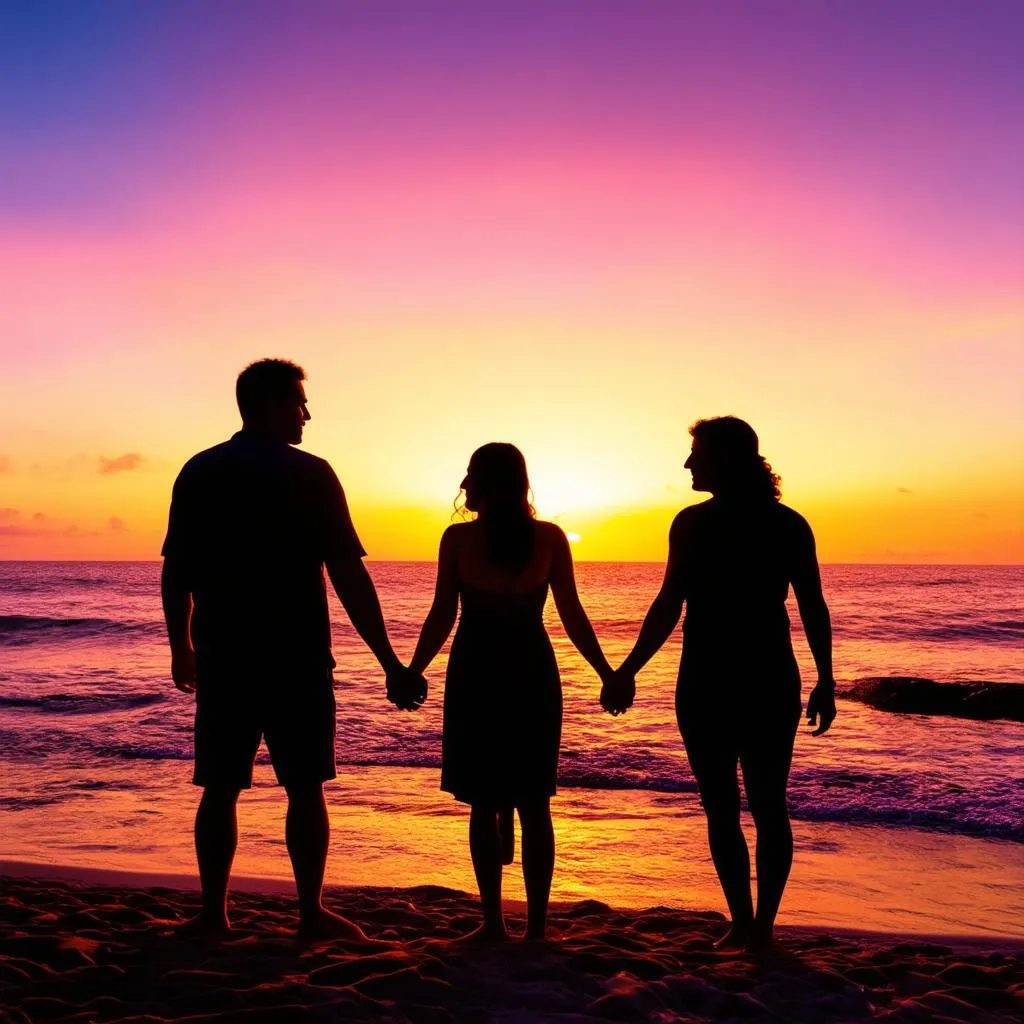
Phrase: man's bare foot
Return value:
(484, 935)
(204, 925)
(325, 924)
(737, 937)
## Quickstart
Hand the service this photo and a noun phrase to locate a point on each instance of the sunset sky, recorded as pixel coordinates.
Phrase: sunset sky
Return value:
(576, 226)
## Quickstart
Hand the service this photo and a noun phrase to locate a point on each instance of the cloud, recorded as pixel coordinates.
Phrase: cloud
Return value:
(904, 490)
(5, 465)
(122, 464)
(117, 524)
(14, 524)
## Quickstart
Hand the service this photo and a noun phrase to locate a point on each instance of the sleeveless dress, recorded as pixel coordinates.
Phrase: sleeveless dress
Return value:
(502, 701)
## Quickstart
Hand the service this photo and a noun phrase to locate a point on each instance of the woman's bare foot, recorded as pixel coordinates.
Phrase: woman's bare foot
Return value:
(205, 925)
(737, 937)
(325, 924)
(486, 934)
(760, 940)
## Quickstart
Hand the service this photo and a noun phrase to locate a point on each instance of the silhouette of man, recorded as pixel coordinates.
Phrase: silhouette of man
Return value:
(253, 523)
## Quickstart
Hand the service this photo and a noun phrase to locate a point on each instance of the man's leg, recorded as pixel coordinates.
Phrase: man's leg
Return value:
(307, 835)
(216, 835)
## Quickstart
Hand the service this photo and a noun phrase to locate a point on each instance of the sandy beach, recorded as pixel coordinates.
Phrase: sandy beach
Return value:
(105, 950)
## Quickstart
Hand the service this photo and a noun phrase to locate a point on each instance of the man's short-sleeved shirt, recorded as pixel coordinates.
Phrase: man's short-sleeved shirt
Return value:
(252, 522)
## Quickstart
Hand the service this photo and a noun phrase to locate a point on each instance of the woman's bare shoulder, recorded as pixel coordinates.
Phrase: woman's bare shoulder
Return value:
(457, 534)
(550, 533)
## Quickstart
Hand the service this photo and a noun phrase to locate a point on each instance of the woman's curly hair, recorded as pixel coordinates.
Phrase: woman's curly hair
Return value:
(732, 446)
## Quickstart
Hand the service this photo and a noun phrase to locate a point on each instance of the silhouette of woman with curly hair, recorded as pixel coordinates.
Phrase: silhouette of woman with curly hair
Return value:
(732, 560)
(503, 696)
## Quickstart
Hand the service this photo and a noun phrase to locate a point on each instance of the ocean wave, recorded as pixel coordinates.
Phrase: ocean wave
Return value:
(84, 703)
(932, 801)
(995, 631)
(908, 695)
(16, 630)
(929, 800)
(25, 803)
(924, 800)
(143, 752)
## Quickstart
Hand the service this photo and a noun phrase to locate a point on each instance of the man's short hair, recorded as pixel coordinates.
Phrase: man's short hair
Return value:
(265, 381)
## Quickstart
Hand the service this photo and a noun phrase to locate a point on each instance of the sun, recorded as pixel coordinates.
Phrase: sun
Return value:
(572, 537)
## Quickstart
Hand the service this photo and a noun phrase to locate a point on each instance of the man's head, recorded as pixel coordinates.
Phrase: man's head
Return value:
(272, 400)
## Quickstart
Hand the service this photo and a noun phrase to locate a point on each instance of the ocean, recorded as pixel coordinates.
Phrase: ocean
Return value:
(95, 744)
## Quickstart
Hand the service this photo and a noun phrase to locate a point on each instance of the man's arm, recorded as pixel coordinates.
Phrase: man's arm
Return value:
(355, 589)
(342, 555)
(177, 601)
(175, 584)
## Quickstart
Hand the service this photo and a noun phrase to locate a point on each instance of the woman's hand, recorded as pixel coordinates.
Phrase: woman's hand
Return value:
(618, 693)
(821, 706)
(406, 689)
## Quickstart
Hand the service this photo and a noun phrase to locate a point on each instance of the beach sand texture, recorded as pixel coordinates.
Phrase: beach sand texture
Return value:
(86, 952)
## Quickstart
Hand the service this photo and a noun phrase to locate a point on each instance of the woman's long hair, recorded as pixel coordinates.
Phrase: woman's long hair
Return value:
(502, 489)
(732, 447)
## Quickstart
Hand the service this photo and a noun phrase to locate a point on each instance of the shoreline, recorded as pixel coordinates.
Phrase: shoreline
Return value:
(114, 878)
(392, 826)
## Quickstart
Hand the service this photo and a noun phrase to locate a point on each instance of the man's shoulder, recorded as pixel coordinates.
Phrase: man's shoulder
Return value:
(207, 459)
(307, 460)
(237, 449)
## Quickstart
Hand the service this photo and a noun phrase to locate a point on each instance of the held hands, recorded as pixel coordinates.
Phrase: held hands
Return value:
(821, 706)
(183, 668)
(618, 691)
(406, 689)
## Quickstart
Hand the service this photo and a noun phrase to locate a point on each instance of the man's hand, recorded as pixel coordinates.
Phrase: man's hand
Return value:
(183, 669)
(618, 693)
(821, 706)
(406, 689)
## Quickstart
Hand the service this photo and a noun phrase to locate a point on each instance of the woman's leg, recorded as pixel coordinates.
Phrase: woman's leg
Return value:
(507, 833)
(485, 848)
(538, 863)
(765, 759)
(714, 760)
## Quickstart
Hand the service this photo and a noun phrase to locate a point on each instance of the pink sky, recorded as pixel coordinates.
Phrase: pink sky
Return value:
(574, 226)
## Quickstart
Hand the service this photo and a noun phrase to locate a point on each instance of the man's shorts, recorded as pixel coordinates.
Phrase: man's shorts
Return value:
(293, 711)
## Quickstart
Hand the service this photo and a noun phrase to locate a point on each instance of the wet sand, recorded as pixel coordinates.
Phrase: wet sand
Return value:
(106, 950)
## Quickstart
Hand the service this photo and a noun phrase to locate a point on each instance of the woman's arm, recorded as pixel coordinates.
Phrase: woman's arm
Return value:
(570, 610)
(441, 617)
(806, 580)
(666, 608)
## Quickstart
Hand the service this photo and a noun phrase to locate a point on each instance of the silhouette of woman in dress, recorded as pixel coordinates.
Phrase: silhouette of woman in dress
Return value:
(732, 560)
(503, 696)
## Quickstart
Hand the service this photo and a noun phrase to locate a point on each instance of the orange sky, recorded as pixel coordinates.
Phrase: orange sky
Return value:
(811, 221)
